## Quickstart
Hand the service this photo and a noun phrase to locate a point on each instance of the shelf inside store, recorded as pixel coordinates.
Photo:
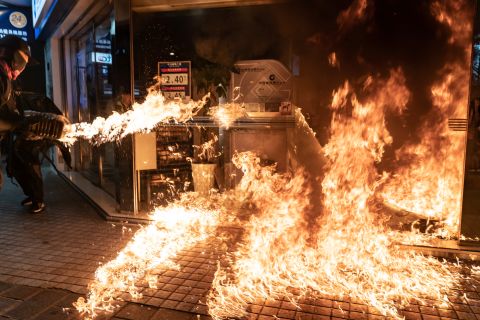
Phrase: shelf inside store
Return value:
(277, 121)
(258, 121)
(156, 174)
(172, 142)
(168, 167)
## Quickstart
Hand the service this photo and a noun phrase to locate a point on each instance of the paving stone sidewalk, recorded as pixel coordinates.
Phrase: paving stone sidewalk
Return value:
(47, 261)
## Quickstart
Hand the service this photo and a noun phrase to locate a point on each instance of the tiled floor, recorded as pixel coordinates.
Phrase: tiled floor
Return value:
(60, 248)
(47, 261)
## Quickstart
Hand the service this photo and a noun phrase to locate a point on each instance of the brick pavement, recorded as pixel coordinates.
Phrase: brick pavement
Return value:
(61, 247)
(47, 261)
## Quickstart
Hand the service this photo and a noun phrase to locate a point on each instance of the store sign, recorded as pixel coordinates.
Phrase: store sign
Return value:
(39, 10)
(101, 57)
(103, 44)
(175, 79)
(15, 22)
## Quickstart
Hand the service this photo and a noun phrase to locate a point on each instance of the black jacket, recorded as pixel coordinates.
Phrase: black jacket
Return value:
(10, 116)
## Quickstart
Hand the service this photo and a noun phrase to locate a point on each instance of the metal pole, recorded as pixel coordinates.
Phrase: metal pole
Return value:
(132, 95)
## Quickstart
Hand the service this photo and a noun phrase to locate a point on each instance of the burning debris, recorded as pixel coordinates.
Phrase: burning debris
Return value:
(206, 152)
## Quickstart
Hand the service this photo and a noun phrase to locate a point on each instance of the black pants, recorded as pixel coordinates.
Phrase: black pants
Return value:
(26, 169)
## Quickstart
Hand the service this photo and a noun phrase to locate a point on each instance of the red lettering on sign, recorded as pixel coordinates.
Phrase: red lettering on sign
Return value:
(173, 88)
(173, 70)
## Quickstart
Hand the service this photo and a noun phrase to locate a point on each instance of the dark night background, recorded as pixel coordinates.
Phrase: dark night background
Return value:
(392, 33)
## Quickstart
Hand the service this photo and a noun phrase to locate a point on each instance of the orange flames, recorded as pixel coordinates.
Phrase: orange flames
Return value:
(225, 114)
(268, 259)
(143, 117)
(207, 151)
(284, 254)
(457, 16)
(431, 184)
(332, 60)
(347, 251)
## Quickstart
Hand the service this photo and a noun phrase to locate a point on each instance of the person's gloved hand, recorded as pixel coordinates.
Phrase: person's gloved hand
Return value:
(43, 125)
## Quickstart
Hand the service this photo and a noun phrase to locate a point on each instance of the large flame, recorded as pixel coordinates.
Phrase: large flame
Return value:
(267, 261)
(284, 254)
(430, 184)
(145, 116)
(348, 251)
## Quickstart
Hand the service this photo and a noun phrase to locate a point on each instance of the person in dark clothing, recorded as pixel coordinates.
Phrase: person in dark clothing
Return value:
(29, 127)
(25, 167)
(29, 146)
(14, 56)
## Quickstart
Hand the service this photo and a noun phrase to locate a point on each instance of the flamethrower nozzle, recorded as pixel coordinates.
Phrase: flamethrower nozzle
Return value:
(43, 125)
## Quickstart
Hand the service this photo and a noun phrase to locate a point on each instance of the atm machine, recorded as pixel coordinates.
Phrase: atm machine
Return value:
(265, 88)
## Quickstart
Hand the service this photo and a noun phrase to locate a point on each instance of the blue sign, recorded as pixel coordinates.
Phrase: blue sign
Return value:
(102, 57)
(37, 6)
(41, 11)
(16, 22)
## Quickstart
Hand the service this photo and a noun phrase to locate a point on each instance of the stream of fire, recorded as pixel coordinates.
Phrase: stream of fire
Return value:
(155, 110)
(349, 249)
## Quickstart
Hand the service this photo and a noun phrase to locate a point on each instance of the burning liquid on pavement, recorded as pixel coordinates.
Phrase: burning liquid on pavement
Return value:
(172, 229)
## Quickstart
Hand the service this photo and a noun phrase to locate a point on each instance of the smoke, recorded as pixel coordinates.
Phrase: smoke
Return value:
(225, 43)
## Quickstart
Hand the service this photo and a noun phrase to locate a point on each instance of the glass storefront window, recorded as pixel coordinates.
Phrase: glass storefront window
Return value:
(93, 79)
